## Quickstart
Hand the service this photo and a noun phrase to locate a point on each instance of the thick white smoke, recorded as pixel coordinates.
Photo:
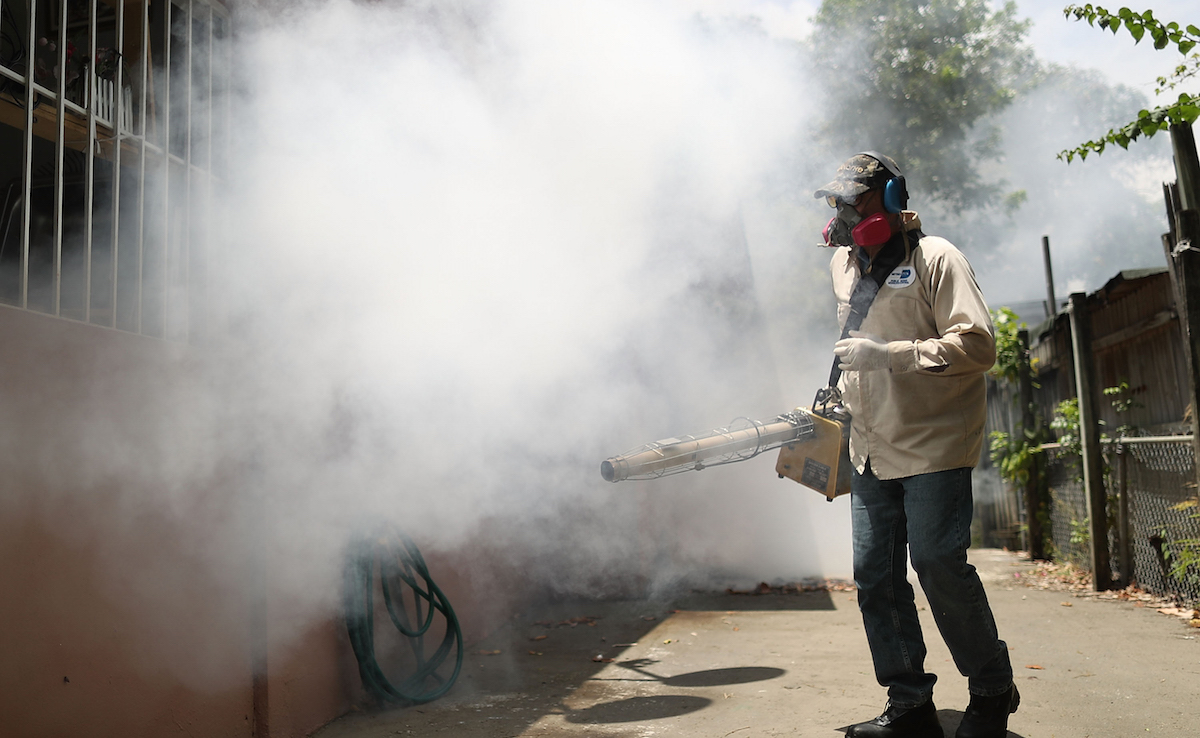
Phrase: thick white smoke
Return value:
(474, 248)
(1102, 215)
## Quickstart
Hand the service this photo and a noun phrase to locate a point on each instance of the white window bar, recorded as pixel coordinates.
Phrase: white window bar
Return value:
(60, 133)
(178, 284)
(118, 130)
(142, 144)
(166, 231)
(89, 167)
(185, 206)
(27, 156)
(201, 248)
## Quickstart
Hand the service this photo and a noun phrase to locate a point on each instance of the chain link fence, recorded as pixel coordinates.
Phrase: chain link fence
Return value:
(1152, 511)
(1068, 508)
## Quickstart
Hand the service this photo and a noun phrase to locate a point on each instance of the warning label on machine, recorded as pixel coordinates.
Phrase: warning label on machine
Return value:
(815, 475)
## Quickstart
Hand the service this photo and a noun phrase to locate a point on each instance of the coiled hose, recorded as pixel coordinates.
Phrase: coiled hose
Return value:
(401, 568)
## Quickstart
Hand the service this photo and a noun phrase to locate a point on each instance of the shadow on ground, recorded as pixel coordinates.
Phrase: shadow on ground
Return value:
(570, 660)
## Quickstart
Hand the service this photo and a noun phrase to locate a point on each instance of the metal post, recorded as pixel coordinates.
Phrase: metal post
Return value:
(259, 638)
(1033, 504)
(1124, 544)
(1089, 432)
(1051, 305)
(1185, 257)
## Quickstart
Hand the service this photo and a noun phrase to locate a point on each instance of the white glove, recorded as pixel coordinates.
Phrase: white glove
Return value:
(862, 353)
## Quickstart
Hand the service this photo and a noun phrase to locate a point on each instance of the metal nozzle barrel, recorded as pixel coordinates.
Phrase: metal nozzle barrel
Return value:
(720, 446)
(609, 469)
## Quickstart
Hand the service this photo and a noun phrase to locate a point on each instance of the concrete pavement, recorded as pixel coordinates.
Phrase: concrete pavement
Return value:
(796, 664)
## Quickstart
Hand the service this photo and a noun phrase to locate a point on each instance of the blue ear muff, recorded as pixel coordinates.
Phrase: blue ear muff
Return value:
(895, 195)
(895, 192)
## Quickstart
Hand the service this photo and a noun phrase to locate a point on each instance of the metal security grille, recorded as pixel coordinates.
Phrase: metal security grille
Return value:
(1156, 477)
(112, 115)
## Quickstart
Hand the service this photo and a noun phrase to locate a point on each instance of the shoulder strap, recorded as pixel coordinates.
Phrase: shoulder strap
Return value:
(864, 294)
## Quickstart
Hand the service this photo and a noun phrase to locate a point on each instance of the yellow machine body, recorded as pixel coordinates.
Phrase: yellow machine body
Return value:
(820, 460)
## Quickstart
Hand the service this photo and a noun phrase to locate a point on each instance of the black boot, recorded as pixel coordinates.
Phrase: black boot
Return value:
(901, 722)
(987, 717)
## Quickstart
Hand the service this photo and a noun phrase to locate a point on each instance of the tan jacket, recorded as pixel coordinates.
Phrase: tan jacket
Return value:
(925, 413)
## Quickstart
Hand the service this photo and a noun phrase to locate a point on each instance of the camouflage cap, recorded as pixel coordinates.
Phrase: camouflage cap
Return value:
(857, 175)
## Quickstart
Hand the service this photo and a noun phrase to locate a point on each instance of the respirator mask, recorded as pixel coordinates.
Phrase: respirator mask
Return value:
(865, 172)
(848, 228)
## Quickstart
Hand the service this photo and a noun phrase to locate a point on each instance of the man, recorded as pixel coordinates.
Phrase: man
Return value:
(912, 379)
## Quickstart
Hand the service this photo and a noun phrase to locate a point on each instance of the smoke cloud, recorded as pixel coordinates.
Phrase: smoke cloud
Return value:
(474, 248)
(1102, 215)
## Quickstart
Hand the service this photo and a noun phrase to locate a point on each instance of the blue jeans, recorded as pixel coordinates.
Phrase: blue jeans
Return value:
(931, 513)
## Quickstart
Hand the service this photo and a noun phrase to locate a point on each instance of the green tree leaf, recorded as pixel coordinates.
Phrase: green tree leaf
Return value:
(1148, 122)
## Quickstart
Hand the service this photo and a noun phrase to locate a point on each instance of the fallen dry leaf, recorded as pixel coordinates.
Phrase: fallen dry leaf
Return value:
(1194, 622)
(1066, 604)
(490, 653)
(649, 618)
(539, 638)
(1035, 666)
(535, 653)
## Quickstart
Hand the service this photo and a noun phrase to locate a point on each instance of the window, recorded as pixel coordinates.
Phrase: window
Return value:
(111, 122)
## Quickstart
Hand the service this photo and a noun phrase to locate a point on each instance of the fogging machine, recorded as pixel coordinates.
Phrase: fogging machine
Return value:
(813, 448)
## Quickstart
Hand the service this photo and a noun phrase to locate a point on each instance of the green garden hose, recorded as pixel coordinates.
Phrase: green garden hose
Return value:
(401, 569)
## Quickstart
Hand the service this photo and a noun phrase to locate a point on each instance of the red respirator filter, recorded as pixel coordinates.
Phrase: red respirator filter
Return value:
(828, 228)
(874, 231)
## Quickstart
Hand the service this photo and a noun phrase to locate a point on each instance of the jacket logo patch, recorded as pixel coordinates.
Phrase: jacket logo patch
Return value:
(901, 276)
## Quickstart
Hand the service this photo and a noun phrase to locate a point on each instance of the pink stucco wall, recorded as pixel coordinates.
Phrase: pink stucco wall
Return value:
(132, 582)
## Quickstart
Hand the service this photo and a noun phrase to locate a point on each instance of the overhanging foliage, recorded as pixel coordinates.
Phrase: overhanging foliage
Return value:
(1185, 109)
